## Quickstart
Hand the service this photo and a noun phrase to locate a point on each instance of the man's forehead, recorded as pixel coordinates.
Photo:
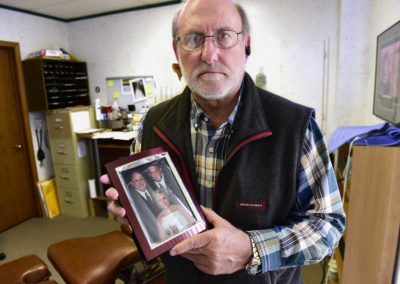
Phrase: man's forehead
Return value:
(152, 168)
(198, 14)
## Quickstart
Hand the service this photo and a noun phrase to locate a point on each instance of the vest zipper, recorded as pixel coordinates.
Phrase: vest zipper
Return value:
(234, 151)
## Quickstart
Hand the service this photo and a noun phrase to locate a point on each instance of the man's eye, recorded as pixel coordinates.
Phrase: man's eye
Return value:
(197, 39)
(223, 35)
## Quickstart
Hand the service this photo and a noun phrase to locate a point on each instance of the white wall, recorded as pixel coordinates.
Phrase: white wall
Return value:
(32, 32)
(286, 35)
(287, 38)
(353, 64)
(295, 43)
(133, 43)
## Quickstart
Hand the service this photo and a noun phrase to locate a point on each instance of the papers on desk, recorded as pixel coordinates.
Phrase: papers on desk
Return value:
(89, 130)
(117, 135)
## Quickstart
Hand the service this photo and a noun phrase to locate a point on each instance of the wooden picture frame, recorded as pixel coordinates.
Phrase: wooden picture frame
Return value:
(161, 214)
(387, 76)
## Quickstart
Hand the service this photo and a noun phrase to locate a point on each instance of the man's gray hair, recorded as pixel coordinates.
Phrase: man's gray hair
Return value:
(242, 13)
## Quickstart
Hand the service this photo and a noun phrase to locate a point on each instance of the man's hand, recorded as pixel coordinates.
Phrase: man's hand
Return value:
(221, 250)
(114, 206)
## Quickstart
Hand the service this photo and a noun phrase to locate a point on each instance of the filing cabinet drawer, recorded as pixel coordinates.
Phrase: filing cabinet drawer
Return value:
(73, 202)
(59, 125)
(66, 175)
(62, 151)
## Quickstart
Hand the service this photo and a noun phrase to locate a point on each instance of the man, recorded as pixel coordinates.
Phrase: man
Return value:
(163, 179)
(160, 180)
(258, 160)
(145, 204)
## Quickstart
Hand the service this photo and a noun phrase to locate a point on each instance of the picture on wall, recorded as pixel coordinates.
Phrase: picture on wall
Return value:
(387, 76)
(158, 204)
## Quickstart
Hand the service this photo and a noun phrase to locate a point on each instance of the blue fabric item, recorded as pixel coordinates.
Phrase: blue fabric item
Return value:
(345, 134)
(389, 135)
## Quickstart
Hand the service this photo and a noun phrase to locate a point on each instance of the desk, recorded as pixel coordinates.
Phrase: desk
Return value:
(103, 151)
(106, 151)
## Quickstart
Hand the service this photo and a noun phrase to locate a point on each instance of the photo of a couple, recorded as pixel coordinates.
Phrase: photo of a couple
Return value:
(159, 202)
(159, 205)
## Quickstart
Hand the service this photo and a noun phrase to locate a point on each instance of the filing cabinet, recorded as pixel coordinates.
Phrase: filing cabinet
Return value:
(71, 157)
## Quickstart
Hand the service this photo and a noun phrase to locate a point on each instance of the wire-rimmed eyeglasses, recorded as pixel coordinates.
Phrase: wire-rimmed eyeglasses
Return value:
(222, 39)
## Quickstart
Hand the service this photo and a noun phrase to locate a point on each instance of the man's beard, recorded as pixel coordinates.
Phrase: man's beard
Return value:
(206, 88)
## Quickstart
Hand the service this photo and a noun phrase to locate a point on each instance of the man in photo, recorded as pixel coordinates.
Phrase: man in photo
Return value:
(145, 203)
(163, 178)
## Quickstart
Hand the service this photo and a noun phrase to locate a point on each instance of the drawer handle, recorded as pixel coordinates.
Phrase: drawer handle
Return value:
(61, 153)
(64, 178)
(68, 201)
(58, 127)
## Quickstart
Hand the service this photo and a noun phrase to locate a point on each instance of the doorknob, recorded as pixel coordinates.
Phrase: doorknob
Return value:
(18, 147)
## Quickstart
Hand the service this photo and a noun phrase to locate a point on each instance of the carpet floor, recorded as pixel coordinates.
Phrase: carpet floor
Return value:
(36, 234)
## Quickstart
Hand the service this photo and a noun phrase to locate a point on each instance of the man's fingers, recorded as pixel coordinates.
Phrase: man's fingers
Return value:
(192, 244)
(115, 208)
(112, 193)
(105, 179)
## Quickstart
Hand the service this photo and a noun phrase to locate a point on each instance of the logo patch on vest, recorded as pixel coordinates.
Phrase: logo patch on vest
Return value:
(251, 204)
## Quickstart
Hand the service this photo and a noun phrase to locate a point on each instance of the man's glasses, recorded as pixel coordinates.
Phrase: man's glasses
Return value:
(221, 39)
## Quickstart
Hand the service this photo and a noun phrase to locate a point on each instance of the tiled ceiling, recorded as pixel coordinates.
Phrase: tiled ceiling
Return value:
(71, 10)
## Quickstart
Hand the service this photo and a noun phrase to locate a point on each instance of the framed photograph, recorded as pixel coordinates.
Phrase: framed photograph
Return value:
(158, 204)
(387, 76)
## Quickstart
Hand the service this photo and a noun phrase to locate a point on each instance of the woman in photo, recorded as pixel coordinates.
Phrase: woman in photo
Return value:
(173, 219)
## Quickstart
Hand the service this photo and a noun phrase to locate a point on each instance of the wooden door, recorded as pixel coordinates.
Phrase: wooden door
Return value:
(17, 191)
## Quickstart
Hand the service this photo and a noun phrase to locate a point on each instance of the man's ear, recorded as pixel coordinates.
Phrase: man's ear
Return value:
(248, 45)
(175, 47)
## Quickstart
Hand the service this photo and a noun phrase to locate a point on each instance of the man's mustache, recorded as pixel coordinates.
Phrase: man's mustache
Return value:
(205, 68)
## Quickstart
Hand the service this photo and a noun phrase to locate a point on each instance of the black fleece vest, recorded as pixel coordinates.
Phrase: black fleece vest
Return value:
(256, 188)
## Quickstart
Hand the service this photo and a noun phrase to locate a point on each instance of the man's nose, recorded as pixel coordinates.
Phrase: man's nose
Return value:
(209, 52)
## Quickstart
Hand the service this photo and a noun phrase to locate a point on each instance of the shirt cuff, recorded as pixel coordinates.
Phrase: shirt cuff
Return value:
(268, 246)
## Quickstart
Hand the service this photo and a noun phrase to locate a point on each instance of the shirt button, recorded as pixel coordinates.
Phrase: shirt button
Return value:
(211, 149)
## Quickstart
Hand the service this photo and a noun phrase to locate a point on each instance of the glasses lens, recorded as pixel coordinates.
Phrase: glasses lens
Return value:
(192, 42)
(221, 39)
(225, 39)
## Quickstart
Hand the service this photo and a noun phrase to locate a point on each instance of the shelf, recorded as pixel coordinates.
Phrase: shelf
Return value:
(53, 84)
(98, 207)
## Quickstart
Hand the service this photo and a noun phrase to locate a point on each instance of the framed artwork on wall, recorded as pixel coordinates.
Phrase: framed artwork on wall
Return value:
(387, 75)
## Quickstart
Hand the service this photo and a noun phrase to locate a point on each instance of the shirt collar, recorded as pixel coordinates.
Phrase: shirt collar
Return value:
(197, 115)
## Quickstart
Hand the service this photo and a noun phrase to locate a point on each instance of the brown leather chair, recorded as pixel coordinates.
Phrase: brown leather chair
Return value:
(94, 260)
(27, 269)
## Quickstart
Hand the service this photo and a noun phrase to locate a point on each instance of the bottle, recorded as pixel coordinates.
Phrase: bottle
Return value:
(261, 79)
(115, 110)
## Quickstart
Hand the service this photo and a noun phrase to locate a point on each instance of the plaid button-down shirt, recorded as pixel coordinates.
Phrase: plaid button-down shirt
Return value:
(209, 149)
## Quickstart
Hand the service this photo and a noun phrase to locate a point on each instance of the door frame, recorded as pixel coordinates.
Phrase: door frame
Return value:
(24, 112)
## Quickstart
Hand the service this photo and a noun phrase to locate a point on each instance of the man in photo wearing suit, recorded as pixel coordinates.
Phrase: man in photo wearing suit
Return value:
(145, 204)
(163, 178)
